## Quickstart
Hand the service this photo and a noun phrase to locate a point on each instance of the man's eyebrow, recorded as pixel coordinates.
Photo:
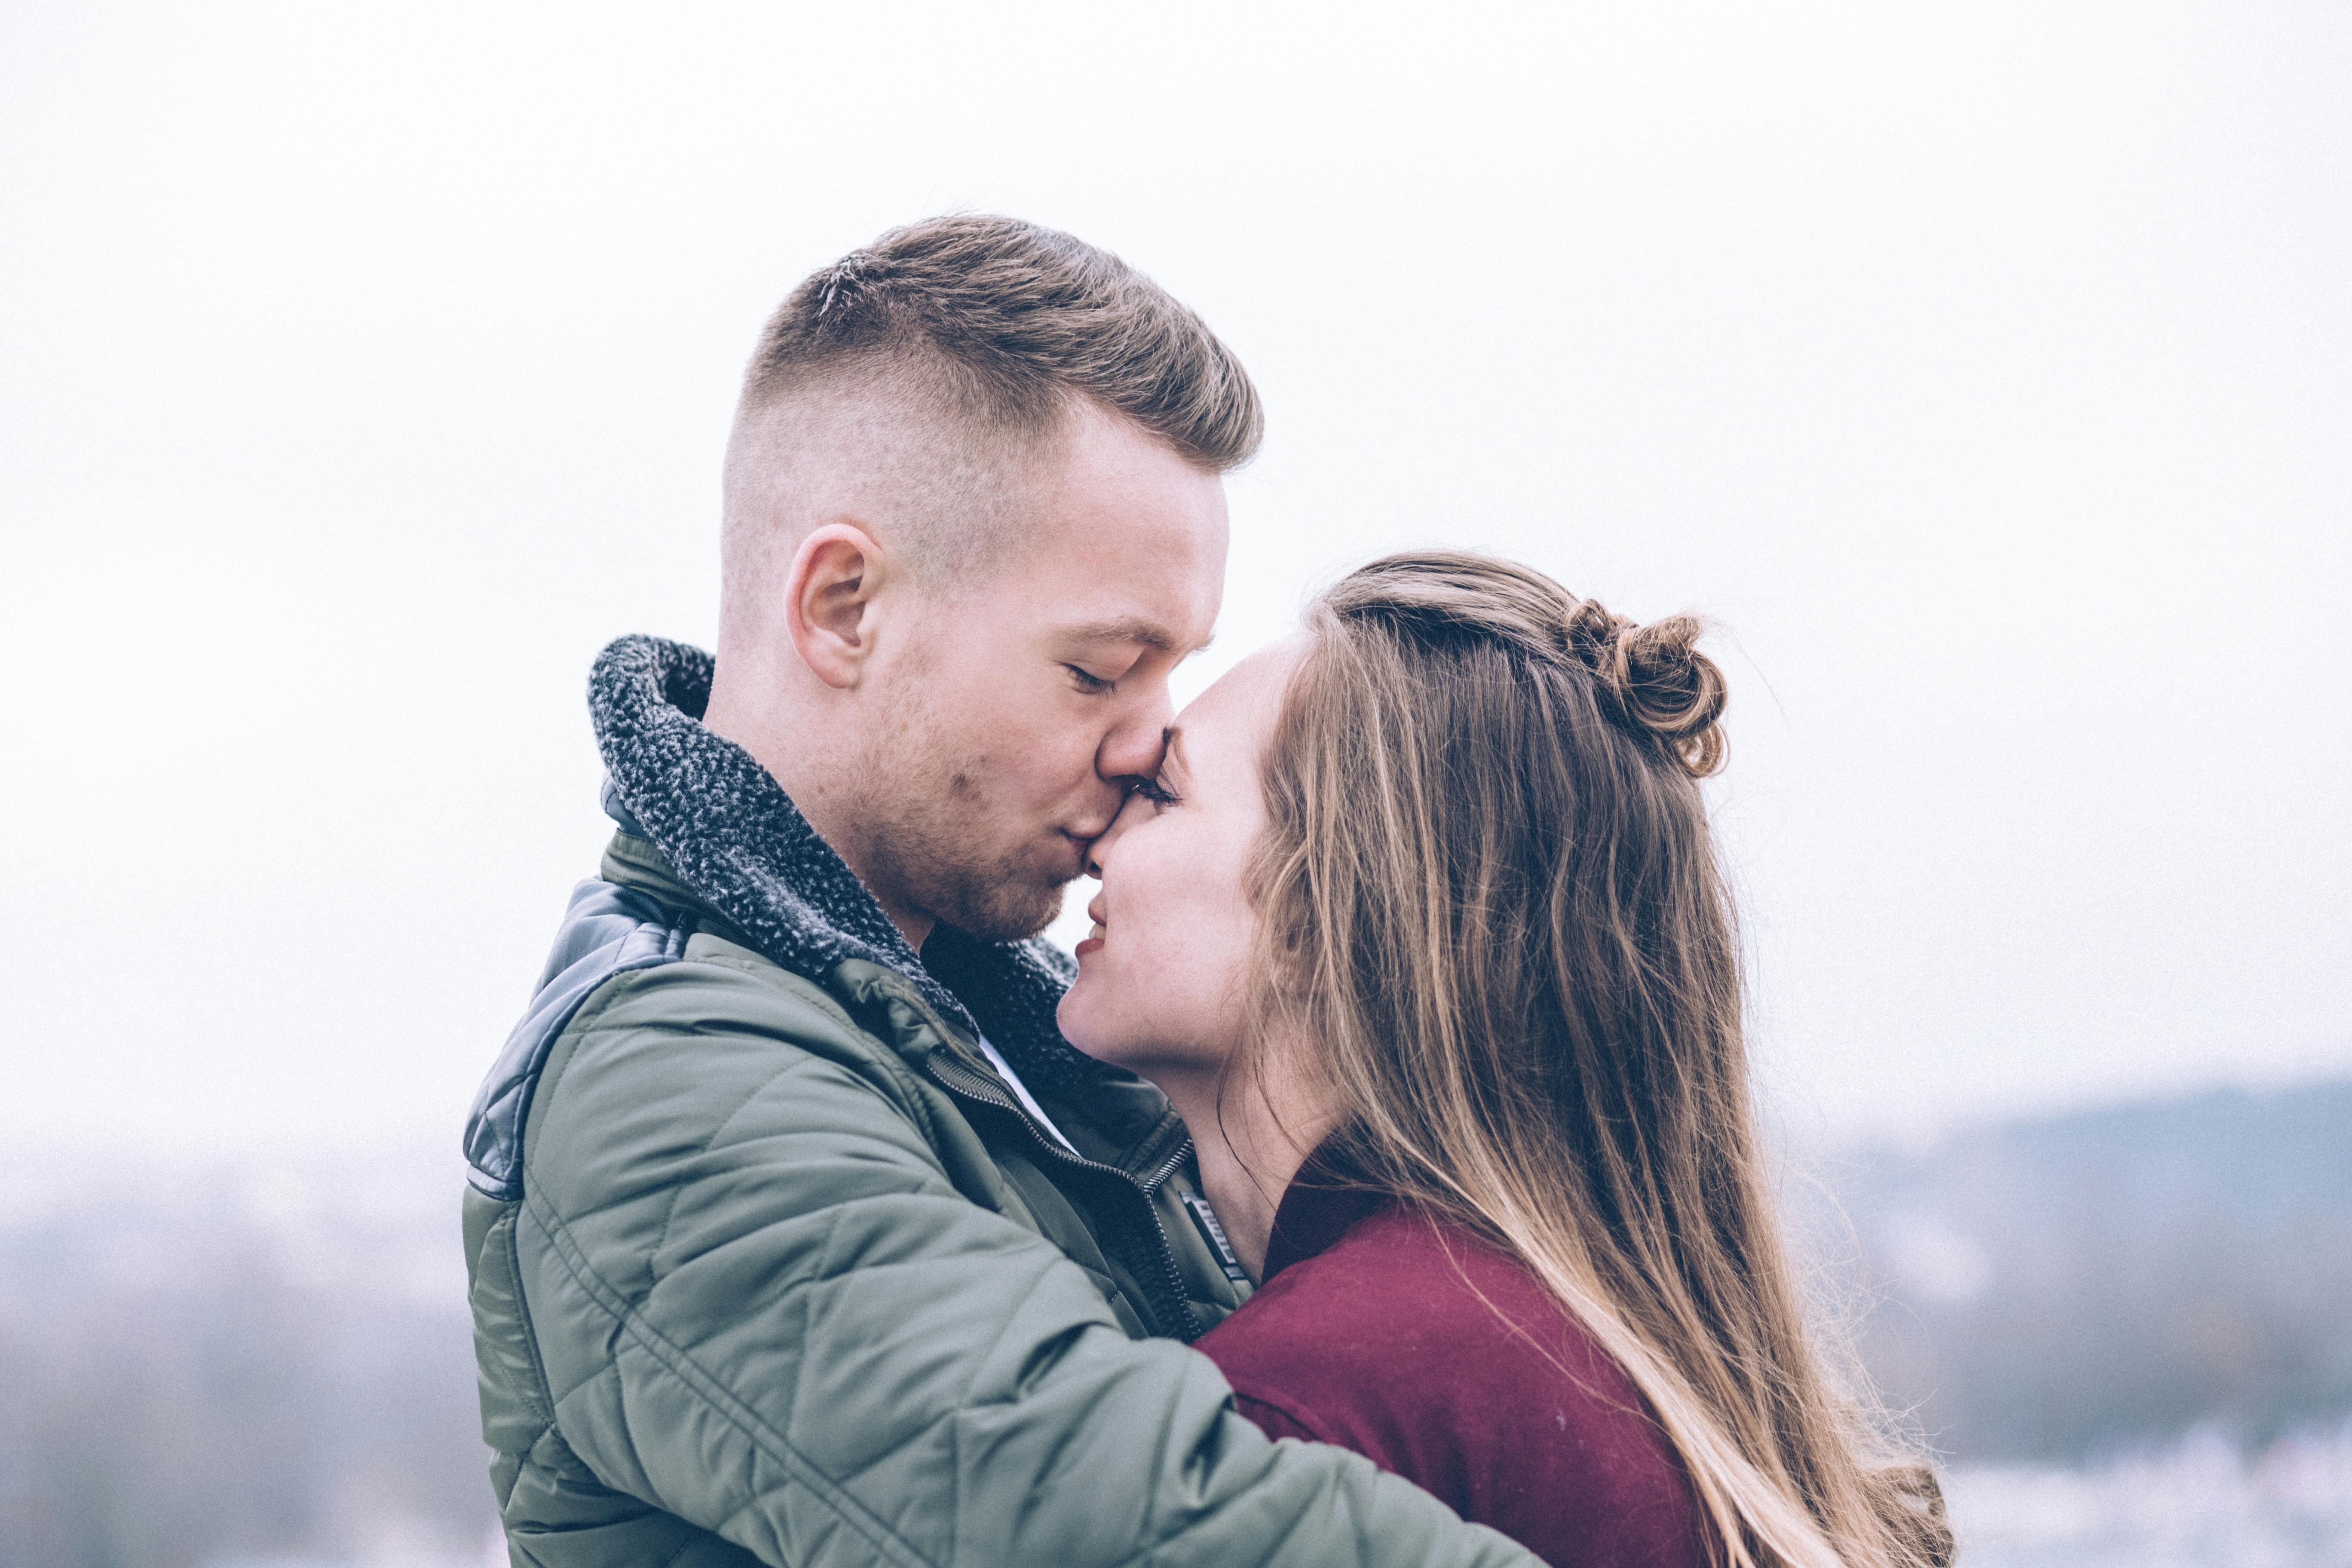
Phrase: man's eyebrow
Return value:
(1130, 629)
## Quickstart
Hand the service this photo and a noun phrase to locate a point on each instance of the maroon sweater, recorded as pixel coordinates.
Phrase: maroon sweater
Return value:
(1370, 1333)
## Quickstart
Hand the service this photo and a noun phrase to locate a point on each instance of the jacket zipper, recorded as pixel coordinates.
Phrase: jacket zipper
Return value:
(953, 1075)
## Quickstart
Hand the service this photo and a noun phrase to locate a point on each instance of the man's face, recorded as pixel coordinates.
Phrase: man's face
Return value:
(1018, 705)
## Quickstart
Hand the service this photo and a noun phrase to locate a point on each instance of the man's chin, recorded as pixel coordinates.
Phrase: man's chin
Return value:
(1005, 910)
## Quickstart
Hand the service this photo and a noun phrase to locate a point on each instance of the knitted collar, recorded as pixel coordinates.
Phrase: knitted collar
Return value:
(731, 834)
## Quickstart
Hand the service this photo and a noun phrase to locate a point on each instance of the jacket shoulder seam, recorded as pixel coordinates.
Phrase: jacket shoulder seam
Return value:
(907, 1085)
(798, 987)
(606, 934)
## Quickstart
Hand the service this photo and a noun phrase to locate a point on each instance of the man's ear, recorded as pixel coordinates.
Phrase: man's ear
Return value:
(829, 601)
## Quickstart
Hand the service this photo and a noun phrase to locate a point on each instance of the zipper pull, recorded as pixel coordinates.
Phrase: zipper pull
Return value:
(1205, 1220)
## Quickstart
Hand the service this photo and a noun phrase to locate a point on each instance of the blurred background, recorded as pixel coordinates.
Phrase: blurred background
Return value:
(1984, 370)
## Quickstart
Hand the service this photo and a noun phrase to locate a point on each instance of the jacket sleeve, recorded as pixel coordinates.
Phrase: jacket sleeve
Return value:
(761, 1304)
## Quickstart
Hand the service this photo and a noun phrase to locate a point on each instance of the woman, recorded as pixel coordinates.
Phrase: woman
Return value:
(1420, 928)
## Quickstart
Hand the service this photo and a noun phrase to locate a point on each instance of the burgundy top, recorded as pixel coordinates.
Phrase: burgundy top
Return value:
(1370, 1333)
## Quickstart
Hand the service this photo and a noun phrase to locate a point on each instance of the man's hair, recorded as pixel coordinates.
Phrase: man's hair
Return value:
(1010, 320)
(944, 364)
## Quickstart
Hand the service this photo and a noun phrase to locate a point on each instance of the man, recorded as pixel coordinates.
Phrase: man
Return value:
(796, 1233)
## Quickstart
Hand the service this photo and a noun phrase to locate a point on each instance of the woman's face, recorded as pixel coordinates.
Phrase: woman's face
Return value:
(1160, 987)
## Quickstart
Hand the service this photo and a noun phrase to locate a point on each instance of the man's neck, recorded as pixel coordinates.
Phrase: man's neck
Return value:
(831, 818)
(806, 772)
(913, 924)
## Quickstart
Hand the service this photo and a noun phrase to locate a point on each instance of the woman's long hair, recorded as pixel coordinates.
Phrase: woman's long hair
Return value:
(1490, 901)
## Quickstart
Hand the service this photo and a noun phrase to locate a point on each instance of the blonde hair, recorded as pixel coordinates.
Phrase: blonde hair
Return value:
(1489, 897)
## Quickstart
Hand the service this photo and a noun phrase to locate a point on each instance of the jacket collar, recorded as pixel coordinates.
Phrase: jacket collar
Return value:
(1323, 1201)
(734, 837)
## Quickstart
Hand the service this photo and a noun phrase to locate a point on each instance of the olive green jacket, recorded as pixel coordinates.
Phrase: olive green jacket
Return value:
(767, 1263)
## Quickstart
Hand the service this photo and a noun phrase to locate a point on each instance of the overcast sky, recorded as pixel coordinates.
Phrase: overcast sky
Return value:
(1982, 368)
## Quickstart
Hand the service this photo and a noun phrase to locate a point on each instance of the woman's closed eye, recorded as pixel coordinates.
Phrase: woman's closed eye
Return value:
(1155, 792)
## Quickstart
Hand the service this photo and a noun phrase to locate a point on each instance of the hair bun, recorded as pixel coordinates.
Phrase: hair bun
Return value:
(1660, 682)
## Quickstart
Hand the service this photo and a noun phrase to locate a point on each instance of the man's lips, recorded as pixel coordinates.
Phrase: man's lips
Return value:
(1075, 849)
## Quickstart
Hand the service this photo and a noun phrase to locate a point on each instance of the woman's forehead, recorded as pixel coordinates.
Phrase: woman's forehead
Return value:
(1235, 715)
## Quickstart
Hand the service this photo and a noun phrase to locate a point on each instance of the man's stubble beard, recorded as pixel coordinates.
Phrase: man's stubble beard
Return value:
(923, 814)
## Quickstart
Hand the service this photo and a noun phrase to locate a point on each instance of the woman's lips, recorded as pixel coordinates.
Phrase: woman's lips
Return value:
(1094, 941)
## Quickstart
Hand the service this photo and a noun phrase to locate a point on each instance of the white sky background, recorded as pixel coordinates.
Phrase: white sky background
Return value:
(1982, 367)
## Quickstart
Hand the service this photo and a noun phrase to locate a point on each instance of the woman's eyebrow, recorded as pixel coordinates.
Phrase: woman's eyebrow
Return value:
(1171, 751)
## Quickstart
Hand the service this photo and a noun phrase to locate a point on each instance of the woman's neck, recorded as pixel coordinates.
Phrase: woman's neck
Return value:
(1250, 1140)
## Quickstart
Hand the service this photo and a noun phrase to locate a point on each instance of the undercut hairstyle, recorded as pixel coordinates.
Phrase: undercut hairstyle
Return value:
(1489, 895)
(946, 360)
(1011, 319)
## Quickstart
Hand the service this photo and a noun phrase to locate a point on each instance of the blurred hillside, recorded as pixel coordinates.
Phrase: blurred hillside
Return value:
(2064, 1288)
(211, 1365)
(229, 1366)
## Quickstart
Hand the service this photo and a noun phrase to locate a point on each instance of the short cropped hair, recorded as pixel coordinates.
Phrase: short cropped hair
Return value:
(1013, 319)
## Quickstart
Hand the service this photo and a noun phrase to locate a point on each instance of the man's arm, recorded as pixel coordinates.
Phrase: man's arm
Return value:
(760, 1303)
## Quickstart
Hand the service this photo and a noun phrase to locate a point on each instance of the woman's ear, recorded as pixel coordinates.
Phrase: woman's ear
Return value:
(829, 602)
(1284, 950)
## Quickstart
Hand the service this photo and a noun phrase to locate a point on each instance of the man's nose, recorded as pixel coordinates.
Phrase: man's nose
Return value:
(1133, 748)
